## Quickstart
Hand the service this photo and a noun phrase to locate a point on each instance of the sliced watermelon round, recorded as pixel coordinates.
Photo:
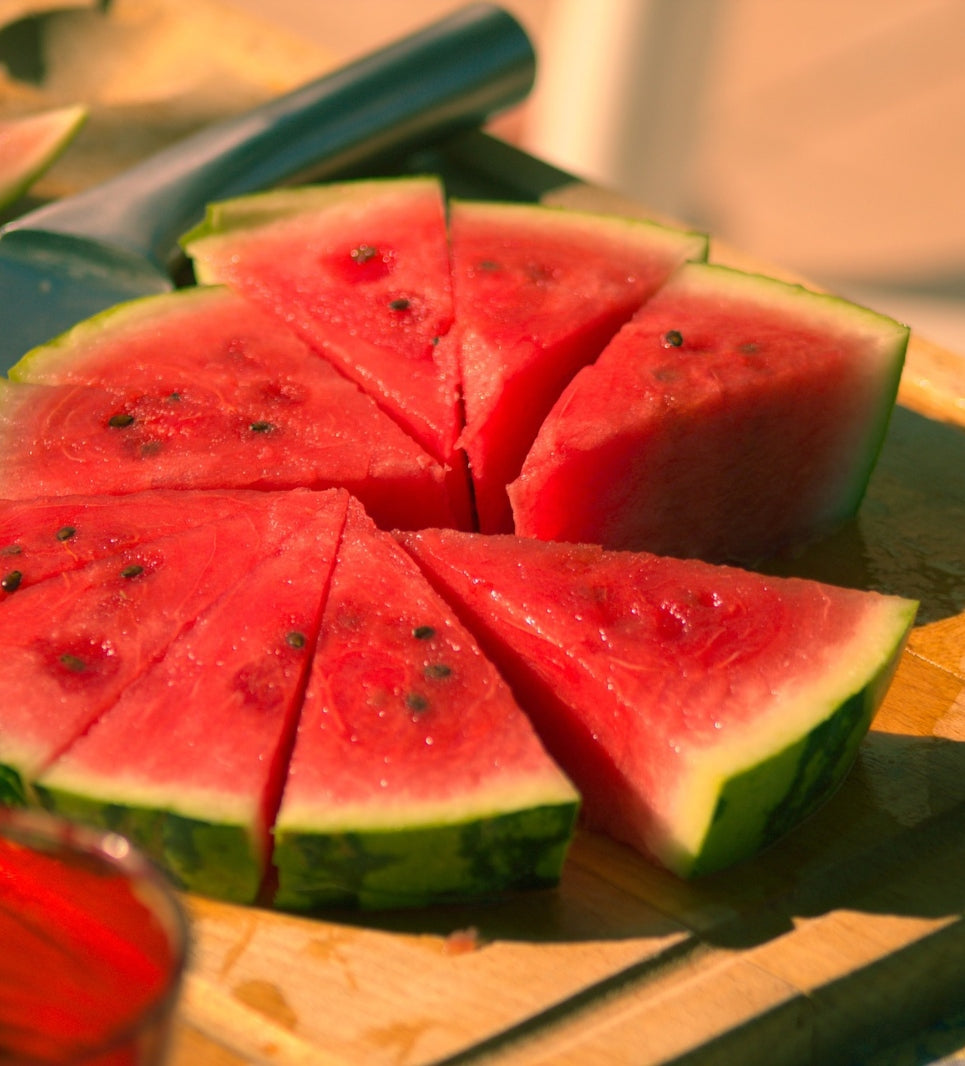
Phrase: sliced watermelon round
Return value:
(734, 418)
(537, 292)
(394, 745)
(29, 144)
(702, 711)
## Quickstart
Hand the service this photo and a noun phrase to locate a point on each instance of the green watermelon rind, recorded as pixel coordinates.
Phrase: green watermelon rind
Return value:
(483, 857)
(741, 802)
(203, 855)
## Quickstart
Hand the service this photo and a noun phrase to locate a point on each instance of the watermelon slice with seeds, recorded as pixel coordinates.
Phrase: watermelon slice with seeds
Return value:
(538, 291)
(416, 777)
(702, 711)
(201, 389)
(200, 790)
(72, 645)
(360, 270)
(735, 417)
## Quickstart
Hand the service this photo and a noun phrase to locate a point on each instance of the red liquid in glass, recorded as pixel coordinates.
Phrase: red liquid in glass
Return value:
(83, 958)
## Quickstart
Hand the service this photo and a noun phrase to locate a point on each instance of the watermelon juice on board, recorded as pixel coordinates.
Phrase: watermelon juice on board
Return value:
(93, 947)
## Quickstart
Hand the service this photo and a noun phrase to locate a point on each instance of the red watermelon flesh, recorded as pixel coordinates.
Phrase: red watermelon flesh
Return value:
(538, 291)
(749, 417)
(47, 536)
(74, 643)
(410, 750)
(201, 788)
(702, 711)
(361, 271)
(200, 389)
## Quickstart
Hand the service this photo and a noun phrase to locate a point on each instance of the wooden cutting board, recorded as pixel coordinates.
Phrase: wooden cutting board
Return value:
(847, 936)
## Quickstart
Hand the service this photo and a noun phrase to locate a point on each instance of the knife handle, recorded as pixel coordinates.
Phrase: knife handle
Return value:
(451, 75)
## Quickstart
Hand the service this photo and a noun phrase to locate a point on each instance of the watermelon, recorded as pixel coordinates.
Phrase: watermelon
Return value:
(415, 776)
(360, 270)
(76, 640)
(537, 292)
(200, 790)
(750, 416)
(202, 389)
(61, 533)
(29, 144)
(267, 472)
(702, 711)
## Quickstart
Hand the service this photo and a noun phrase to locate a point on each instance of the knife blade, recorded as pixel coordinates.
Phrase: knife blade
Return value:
(72, 258)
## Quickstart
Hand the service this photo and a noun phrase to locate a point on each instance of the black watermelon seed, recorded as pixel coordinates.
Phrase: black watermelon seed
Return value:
(423, 632)
(415, 701)
(132, 571)
(120, 421)
(11, 549)
(437, 671)
(11, 582)
(399, 304)
(294, 639)
(262, 427)
(73, 663)
(65, 532)
(673, 338)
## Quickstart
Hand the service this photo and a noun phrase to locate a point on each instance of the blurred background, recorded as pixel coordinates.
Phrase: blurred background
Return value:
(823, 136)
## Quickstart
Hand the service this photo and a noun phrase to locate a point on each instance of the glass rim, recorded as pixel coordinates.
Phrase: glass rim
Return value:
(58, 835)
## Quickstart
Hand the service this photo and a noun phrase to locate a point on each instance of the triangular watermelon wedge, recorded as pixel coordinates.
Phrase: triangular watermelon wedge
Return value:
(736, 417)
(199, 789)
(72, 645)
(538, 292)
(359, 269)
(29, 144)
(415, 776)
(202, 389)
(702, 711)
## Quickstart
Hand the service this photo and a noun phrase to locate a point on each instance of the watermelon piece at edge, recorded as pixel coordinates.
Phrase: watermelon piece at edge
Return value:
(415, 777)
(190, 760)
(30, 144)
(537, 293)
(702, 711)
(735, 418)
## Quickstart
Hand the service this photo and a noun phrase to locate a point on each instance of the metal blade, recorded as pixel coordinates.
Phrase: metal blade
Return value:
(49, 282)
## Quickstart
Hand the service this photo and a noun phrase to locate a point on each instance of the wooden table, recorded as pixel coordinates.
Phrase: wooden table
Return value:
(846, 937)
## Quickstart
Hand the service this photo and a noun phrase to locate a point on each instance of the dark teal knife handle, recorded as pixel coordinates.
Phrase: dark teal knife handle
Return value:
(449, 76)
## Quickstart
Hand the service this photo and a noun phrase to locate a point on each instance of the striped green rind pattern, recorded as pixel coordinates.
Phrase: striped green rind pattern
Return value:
(479, 859)
(201, 855)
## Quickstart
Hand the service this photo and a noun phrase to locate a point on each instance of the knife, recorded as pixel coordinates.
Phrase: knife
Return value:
(77, 256)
